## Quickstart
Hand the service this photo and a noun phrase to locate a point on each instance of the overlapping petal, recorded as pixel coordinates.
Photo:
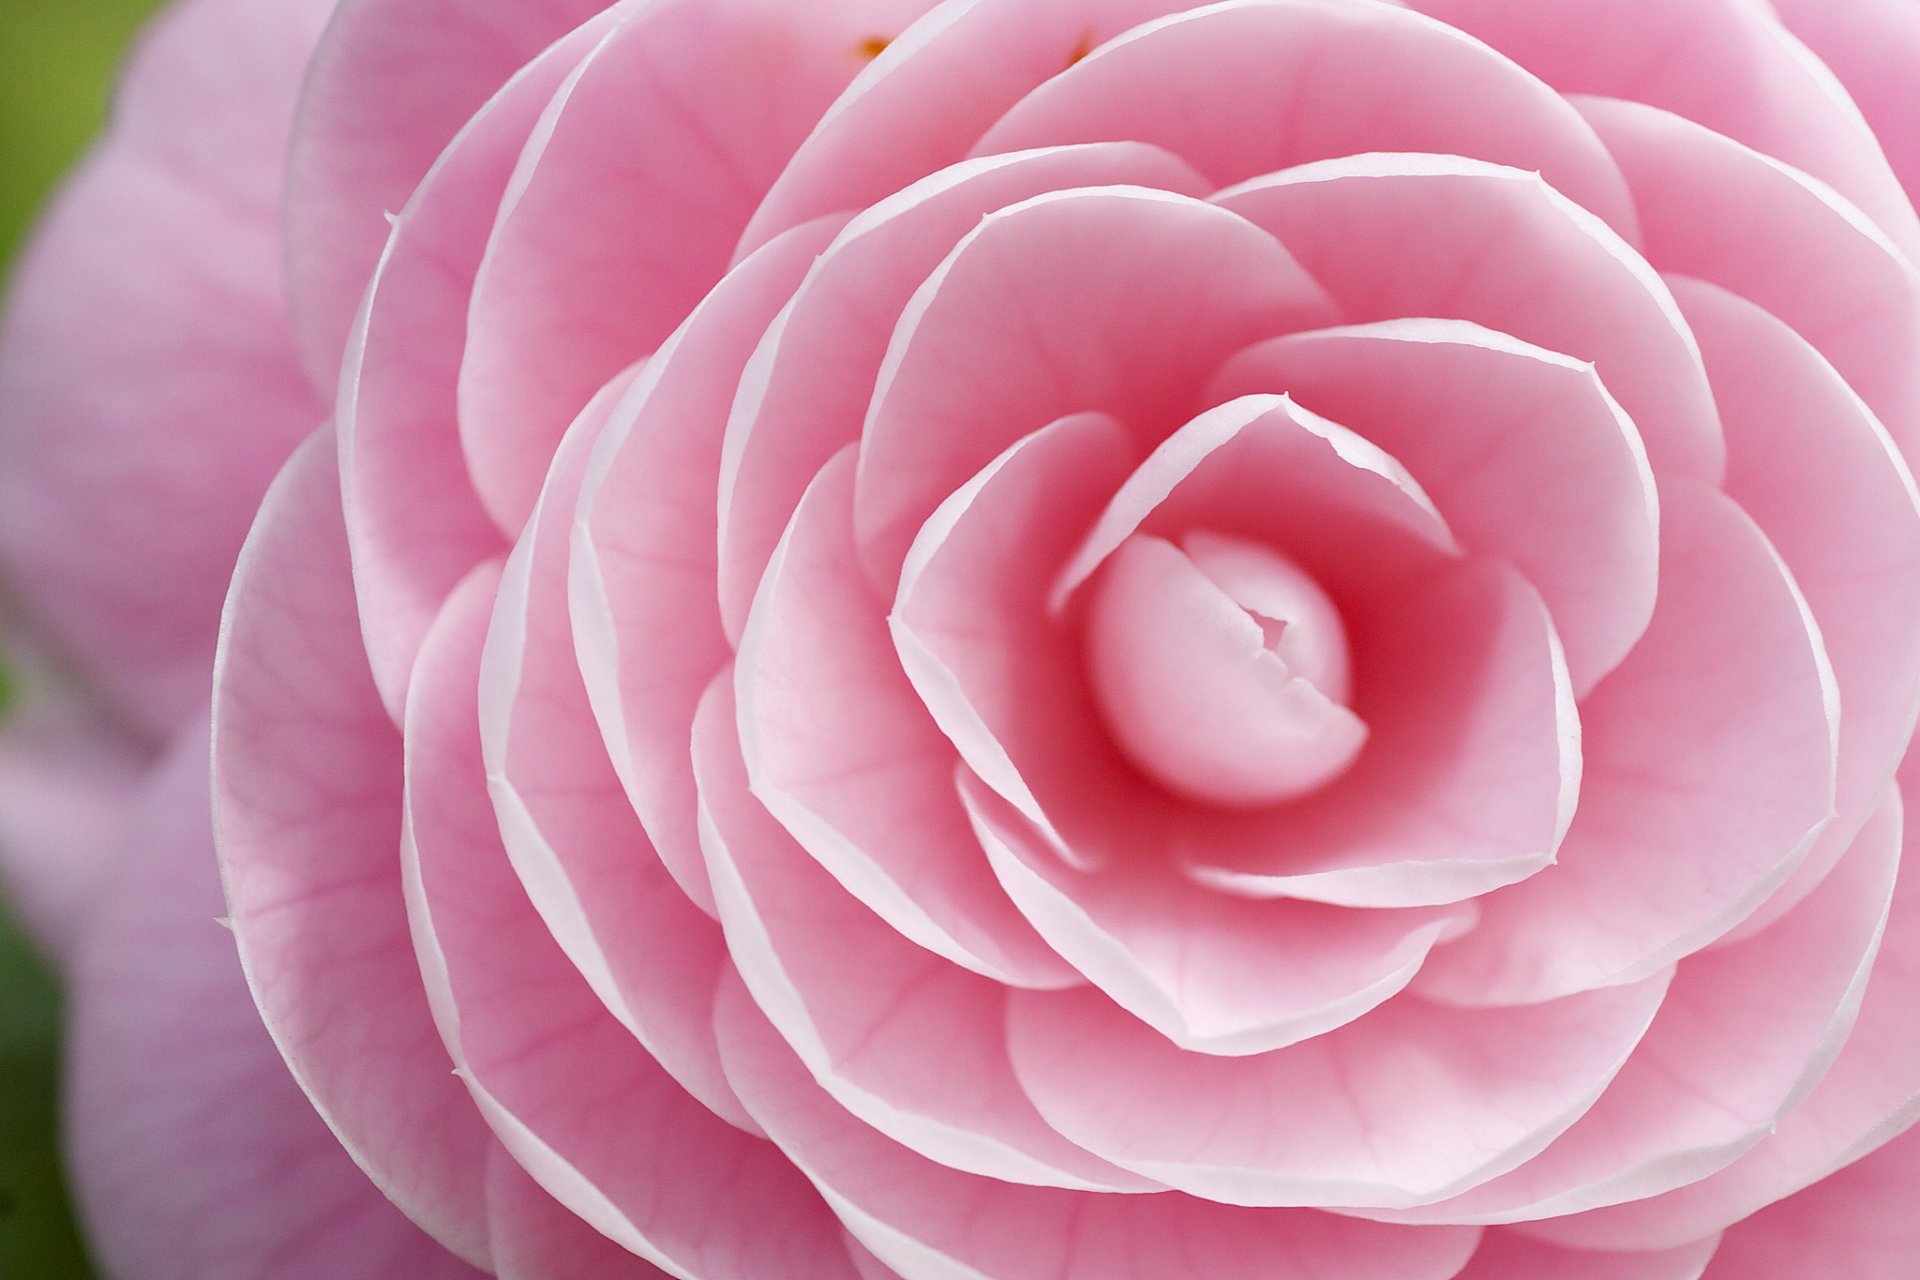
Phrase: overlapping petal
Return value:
(807, 391)
(306, 783)
(929, 1222)
(1405, 235)
(1059, 638)
(648, 953)
(842, 753)
(645, 620)
(193, 1154)
(391, 86)
(579, 1103)
(1522, 450)
(566, 296)
(1017, 326)
(1725, 64)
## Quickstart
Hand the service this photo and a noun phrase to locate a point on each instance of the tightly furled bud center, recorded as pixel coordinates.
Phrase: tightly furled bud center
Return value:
(1222, 669)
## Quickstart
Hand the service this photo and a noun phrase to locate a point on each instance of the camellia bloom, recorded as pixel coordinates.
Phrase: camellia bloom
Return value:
(1004, 639)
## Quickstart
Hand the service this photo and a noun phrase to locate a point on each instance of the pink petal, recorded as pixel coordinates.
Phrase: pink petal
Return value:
(148, 383)
(1190, 689)
(194, 1154)
(1723, 63)
(306, 790)
(1211, 974)
(913, 1045)
(1817, 471)
(842, 753)
(1019, 327)
(810, 383)
(928, 1222)
(869, 1267)
(1753, 1026)
(649, 954)
(393, 83)
(1411, 235)
(1464, 409)
(1354, 518)
(932, 92)
(1671, 847)
(1463, 656)
(534, 1238)
(415, 523)
(1410, 1104)
(1505, 1255)
(1291, 82)
(646, 624)
(579, 1103)
(1873, 46)
(1871, 1093)
(626, 205)
(1717, 211)
(1856, 1223)
(1001, 677)
(1470, 775)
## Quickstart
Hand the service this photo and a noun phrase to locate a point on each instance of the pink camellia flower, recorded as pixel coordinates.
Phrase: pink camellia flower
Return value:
(986, 640)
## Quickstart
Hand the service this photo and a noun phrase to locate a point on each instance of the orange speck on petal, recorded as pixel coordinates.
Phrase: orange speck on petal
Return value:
(1083, 48)
(873, 46)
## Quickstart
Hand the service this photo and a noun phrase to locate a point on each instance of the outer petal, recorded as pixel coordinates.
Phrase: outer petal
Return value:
(1715, 210)
(1752, 1026)
(626, 205)
(909, 1042)
(1410, 1104)
(1814, 467)
(306, 795)
(1871, 1093)
(1505, 1255)
(534, 1238)
(393, 83)
(928, 1222)
(1873, 46)
(148, 381)
(870, 1267)
(928, 97)
(415, 524)
(1299, 80)
(195, 1155)
(579, 1103)
(1668, 850)
(1857, 1223)
(1723, 63)
(1412, 235)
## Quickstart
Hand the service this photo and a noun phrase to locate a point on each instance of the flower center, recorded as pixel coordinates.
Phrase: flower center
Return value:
(1222, 669)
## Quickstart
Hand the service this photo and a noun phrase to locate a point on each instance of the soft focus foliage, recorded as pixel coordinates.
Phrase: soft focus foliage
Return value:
(57, 59)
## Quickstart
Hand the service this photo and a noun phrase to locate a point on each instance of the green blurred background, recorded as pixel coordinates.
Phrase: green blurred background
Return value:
(57, 63)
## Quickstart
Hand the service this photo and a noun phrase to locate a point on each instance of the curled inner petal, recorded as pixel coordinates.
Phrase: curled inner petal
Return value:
(1222, 669)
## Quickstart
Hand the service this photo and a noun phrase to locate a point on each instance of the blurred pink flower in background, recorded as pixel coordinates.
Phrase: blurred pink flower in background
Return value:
(999, 639)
